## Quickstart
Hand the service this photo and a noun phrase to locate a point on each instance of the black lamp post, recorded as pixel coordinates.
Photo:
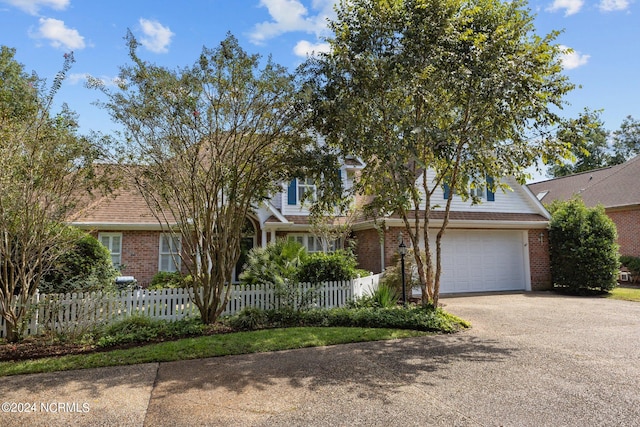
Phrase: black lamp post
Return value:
(402, 250)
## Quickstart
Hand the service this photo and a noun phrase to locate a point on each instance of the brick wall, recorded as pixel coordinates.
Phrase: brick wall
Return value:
(391, 243)
(628, 224)
(539, 260)
(140, 252)
(368, 250)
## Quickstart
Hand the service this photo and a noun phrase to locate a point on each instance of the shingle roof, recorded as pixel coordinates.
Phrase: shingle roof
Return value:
(125, 206)
(614, 186)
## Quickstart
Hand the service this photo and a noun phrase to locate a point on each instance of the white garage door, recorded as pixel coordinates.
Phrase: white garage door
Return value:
(480, 260)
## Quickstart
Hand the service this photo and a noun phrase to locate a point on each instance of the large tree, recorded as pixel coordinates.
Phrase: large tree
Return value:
(626, 140)
(206, 144)
(45, 170)
(593, 146)
(589, 144)
(433, 94)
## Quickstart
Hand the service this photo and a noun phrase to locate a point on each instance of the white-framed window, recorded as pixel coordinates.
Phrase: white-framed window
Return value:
(113, 242)
(306, 188)
(314, 244)
(478, 190)
(169, 258)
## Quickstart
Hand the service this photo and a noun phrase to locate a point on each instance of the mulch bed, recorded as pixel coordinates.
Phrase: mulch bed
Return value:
(39, 347)
(36, 349)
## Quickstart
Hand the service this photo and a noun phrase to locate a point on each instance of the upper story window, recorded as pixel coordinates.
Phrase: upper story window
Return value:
(480, 190)
(299, 189)
(169, 258)
(306, 188)
(113, 242)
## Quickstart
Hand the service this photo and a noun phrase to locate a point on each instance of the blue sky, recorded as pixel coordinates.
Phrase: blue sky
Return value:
(604, 36)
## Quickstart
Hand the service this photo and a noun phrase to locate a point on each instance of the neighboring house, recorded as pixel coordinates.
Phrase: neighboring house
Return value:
(500, 244)
(617, 188)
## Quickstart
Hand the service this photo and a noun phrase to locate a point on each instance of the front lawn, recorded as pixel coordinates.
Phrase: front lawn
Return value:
(142, 340)
(624, 293)
(208, 346)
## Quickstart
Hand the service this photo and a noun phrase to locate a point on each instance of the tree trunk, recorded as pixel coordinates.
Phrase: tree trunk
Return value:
(13, 334)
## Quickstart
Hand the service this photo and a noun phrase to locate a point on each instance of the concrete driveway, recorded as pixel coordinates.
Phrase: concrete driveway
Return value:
(531, 359)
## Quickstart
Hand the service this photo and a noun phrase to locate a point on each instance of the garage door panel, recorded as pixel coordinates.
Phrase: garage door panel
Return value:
(482, 260)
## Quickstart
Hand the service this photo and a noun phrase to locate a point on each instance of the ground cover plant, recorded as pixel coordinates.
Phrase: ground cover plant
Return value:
(290, 328)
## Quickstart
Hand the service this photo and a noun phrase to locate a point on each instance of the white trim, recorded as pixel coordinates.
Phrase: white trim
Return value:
(117, 226)
(536, 202)
(110, 246)
(381, 242)
(277, 213)
(527, 260)
(453, 224)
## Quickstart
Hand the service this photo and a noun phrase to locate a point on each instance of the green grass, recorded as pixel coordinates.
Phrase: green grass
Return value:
(626, 294)
(209, 346)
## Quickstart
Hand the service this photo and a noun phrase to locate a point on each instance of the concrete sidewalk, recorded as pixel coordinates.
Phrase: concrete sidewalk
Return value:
(530, 359)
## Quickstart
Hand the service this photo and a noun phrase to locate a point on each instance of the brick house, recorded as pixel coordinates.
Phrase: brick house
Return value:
(617, 188)
(499, 244)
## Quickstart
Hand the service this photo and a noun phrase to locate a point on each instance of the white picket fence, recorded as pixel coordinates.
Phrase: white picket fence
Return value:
(78, 311)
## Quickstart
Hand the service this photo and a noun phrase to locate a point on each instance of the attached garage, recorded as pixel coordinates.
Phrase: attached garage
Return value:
(500, 244)
(484, 260)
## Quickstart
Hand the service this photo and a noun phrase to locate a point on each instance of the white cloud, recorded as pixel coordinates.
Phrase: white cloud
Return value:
(570, 6)
(33, 6)
(613, 5)
(292, 16)
(572, 59)
(59, 35)
(157, 37)
(305, 48)
(76, 78)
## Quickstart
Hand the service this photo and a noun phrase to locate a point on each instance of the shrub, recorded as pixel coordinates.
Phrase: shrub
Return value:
(274, 264)
(277, 265)
(328, 267)
(362, 273)
(583, 249)
(383, 297)
(145, 329)
(87, 267)
(166, 280)
(248, 319)
(393, 274)
(422, 318)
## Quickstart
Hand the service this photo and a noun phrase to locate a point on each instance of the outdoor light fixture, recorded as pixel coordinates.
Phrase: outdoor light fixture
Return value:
(541, 237)
(402, 250)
